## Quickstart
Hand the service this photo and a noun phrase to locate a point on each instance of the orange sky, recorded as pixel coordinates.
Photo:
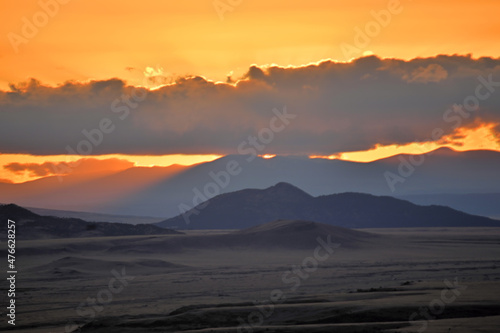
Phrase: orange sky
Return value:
(101, 39)
(92, 39)
(138, 161)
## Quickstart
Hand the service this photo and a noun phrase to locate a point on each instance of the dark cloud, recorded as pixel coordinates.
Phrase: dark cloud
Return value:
(339, 107)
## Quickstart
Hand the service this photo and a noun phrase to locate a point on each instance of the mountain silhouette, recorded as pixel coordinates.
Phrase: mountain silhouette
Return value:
(250, 207)
(158, 191)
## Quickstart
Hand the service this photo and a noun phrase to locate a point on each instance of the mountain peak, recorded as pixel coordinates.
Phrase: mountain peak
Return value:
(444, 151)
(286, 188)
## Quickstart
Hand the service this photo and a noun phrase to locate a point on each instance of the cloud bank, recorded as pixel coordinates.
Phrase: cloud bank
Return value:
(338, 106)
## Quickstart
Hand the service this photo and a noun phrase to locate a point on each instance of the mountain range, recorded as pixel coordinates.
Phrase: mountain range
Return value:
(162, 191)
(486, 204)
(251, 211)
(250, 207)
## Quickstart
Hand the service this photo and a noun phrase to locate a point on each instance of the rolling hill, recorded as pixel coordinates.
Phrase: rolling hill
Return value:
(250, 207)
(279, 234)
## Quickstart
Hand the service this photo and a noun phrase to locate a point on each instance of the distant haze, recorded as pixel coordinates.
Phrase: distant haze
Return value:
(159, 192)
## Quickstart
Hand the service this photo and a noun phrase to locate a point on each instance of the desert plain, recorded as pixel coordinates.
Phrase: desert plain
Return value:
(284, 276)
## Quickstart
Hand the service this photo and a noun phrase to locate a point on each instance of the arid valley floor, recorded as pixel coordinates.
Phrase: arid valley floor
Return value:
(281, 277)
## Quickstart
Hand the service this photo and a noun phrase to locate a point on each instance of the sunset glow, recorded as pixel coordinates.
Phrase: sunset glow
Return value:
(464, 139)
(137, 161)
(480, 138)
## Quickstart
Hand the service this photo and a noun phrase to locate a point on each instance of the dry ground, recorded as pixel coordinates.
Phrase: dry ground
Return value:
(373, 287)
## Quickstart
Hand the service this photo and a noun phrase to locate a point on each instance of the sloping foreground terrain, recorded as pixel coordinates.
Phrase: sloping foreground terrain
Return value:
(284, 276)
(33, 226)
(247, 208)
